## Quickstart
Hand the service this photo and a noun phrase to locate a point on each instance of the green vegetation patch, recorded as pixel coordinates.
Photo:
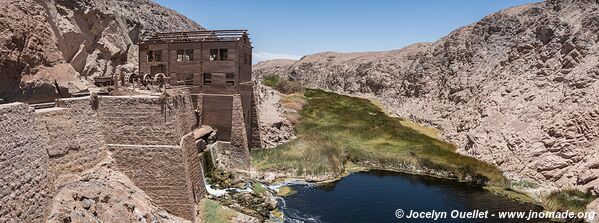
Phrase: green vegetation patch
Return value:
(258, 188)
(572, 200)
(216, 213)
(282, 85)
(286, 191)
(511, 194)
(271, 80)
(335, 129)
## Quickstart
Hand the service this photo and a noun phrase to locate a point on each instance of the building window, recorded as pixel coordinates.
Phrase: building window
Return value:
(155, 56)
(188, 79)
(245, 58)
(219, 54)
(213, 54)
(184, 55)
(207, 79)
(224, 54)
(230, 79)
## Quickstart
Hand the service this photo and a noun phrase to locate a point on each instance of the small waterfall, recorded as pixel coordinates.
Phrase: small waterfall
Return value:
(212, 191)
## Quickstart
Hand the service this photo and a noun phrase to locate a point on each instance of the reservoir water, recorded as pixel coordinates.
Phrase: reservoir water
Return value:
(375, 196)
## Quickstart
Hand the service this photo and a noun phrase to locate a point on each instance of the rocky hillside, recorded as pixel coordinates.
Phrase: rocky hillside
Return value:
(517, 89)
(55, 47)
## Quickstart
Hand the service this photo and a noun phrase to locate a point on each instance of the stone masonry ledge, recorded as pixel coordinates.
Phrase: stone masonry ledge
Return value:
(132, 96)
(147, 146)
(10, 104)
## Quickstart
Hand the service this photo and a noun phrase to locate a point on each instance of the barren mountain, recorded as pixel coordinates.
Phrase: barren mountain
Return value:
(56, 47)
(517, 89)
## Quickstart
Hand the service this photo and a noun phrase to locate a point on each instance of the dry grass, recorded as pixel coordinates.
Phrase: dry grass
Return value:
(430, 132)
(216, 213)
(294, 102)
(572, 200)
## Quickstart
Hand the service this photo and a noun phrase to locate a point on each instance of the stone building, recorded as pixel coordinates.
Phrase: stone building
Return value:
(162, 142)
(216, 66)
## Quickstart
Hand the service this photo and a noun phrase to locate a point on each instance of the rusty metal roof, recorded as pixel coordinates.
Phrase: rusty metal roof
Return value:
(198, 36)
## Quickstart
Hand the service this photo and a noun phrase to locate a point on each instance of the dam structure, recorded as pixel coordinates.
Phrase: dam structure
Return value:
(202, 117)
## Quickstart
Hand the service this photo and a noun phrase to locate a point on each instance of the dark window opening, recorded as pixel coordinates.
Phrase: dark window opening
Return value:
(207, 79)
(155, 56)
(219, 54)
(184, 55)
(230, 79)
(224, 54)
(213, 54)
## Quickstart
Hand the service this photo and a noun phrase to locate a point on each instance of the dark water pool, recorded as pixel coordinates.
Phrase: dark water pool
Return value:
(376, 195)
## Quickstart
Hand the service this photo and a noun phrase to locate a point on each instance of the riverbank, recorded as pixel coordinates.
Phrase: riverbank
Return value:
(339, 134)
(335, 129)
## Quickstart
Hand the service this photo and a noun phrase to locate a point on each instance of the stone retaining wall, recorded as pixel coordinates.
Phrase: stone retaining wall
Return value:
(139, 120)
(161, 172)
(150, 138)
(25, 185)
(73, 136)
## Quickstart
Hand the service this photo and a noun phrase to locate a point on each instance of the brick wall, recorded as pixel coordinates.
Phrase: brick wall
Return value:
(73, 135)
(161, 172)
(25, 185)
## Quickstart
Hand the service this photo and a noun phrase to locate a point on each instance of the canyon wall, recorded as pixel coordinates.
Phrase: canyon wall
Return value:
(517, 89)
(52, 48)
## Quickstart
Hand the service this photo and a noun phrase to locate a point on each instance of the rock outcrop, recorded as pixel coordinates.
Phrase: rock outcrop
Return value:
(275, 128)
(593, 207)
(279, 66)
(51, 48)
(517, 89)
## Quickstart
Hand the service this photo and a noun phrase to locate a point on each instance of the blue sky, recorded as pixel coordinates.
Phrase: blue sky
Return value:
(293, 28)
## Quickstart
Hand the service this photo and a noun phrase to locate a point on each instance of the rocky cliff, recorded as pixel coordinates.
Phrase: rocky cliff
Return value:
(517, 89)
(51, 48)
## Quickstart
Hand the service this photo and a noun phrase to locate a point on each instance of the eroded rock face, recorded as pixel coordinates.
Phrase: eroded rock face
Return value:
(593, 208)
(517, 89)
(51, 48)
(275, 129)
